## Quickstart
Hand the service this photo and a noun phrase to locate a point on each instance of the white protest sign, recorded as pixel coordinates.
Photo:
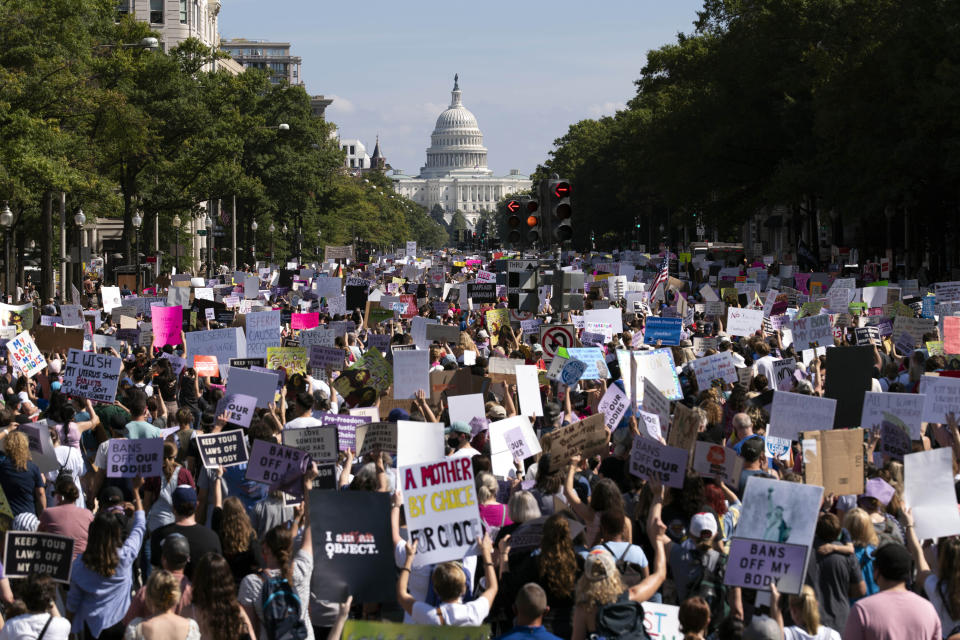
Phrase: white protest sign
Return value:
(132, 458)
(418, 442)
(91, 375)
(719, 366)
(110, 297)
(928, 490)
(903, 410)
(652, 460)
(239, 408)
(25, 355)
(501, 453)
(225, 344)
(71, 314)
(528, 389)
(411, 372)
(942, 397)
(652, 424)
(262, 385)
(793, 413)
(262, 331)
(655, 402)
(441, 510)
(744, 322)
(466, 407)
(812, 332)
(613, 406)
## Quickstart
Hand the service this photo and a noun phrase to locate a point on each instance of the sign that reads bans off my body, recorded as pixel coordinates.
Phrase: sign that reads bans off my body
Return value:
(132, 458)
(91, 375)
(441, 508)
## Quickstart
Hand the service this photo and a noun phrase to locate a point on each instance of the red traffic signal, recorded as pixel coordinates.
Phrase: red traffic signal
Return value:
(513, 206)
(562, 190)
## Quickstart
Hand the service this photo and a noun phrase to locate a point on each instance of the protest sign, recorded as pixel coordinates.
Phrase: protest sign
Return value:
(812, 332)
(167, 325)
(338, 253)
(651, 424)
(656, 403)
(262, 385)
(659, 367)
(951, 334)
(441, 509)
(528, 390)
(370, 630)
(613, 406)
(903, 410)
(41, 447)
(411, 373)
(701, 345)
(684, 428)
(365, 380)
(375, 436)
(929, 491)
(651, 460)
(850, 376)
(262, 331)
(319, 442)
(419, 442)
(587, 437)
(206, 366)
(942, 397)
(29, 553)
(793, 413)
(915, 327)
(352, 546)
(346, 425)
(571, 372)
(132, 458)
(778, 448)
(744, 322)
(110, 298)
(290, 359)
(239, 408)
(222, 449)
(662, 621)
(329, 358)
(511, 439)
(665, 330)
(279, 466)
(717, 461)
(246, 363)
(442, 333)
(57, 339)
(774, 535)
(25, 355)
(783, 373)
(301, 321)
(834, 460)
(222, 343)
(718, 367)
(593, 357)
(91, 375)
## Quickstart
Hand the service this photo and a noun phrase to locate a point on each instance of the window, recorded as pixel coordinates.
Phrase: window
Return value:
(352, 162)
(183, 11)
(123, 7)
(352, 150)
(156, 11)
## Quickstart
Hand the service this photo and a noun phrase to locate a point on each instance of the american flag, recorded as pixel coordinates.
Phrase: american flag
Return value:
(662, 276)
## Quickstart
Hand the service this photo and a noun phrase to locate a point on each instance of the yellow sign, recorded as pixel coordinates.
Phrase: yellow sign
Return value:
(496, 318)
(290, 359)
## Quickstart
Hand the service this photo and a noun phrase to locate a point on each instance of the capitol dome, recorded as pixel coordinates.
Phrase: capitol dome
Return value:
(456, 144)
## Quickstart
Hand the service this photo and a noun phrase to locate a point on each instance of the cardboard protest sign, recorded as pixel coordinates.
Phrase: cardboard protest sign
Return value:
(774, 535)
(239, 408)
(834, 460)
(57, 339)
(651, 460)
(717, 461)
(365, 380)
(587, 437)
(290, 359)
(352, 546)
(942, 397)
(928, 491)
(279, 466)
(222, 343)
(684, 428)
(793, 413)
(91, 375)
(528, 390)
(29, 553)
(262, 385)
(902, 410)
(320, 443)
(812, 332)
(225, 448)
(744, 322)
(850, 376)
(132, 458)
(25, 355)
(442, 510)
(665, 330)
(502, 370)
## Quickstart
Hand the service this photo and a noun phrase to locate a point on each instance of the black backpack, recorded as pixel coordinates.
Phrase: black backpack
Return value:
(621, 620)
(281, 609)
(708, 582)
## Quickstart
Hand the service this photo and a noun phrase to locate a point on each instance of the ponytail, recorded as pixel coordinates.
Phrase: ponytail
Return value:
(169, 459)
(280, 542)
(806, 604)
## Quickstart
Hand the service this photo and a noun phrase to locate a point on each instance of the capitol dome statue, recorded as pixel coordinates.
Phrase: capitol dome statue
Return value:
(455, 175)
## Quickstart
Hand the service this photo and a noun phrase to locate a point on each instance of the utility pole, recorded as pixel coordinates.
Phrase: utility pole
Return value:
(233, 226)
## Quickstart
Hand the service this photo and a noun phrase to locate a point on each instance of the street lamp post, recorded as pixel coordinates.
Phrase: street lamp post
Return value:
(175, 223)
(137, 220)
(319, 244)
(6, 221)
(272, 230)
(209, 224)
(79, 219)
(253, 247)
(283, 230)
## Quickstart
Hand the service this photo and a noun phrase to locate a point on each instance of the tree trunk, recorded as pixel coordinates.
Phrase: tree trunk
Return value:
(46, 249)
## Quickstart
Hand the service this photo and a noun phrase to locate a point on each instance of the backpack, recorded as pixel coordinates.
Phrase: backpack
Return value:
(281, 610)
(708, 582)
(630, 573)
(621, 620)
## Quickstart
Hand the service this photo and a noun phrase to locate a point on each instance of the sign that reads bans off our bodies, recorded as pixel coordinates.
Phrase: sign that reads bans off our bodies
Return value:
(442, 510)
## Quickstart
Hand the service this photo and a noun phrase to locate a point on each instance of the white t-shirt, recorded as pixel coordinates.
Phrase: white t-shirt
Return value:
(823, 633)
(418, 585)
(252, 585)
(302, 422)
(71, 460)
(466, 452)
(455, 614)
(29, 625)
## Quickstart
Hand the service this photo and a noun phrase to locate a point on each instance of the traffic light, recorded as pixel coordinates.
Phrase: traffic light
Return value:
(559, 191)
(514, 223)
(533, 220)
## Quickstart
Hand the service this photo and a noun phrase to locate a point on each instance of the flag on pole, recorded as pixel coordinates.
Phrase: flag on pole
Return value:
(662, 276)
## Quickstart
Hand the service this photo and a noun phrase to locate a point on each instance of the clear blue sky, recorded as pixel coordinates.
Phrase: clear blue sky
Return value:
(528, 68)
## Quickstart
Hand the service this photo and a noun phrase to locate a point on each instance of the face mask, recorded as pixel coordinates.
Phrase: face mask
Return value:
(453, 442)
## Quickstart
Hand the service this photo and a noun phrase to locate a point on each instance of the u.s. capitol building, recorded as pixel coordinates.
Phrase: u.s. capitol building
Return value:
(456, 175)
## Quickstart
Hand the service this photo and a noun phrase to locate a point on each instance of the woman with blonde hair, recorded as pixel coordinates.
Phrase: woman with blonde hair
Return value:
(805, 612)
(17, 473)
(163, 594)
(858, 524)
(158, 491)
(493, 513)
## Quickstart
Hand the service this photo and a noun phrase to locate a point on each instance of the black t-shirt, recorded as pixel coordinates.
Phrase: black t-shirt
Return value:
(201, 539)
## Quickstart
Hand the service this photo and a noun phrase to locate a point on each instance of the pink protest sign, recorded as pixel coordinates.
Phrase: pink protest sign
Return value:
(167, 324)
(305, 320)
(802, 281)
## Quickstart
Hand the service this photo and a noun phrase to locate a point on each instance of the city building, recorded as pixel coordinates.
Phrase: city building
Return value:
(318, 106)
(272, 57)
(356, 154)
(455, 175)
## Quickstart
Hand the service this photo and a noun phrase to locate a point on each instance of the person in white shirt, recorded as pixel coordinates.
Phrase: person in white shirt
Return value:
(765, 363)
(303, 410)
(41, 618)
(449, 583)
(458, 438)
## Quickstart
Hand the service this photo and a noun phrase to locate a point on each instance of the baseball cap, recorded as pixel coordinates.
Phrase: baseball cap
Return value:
(184, 494)
(701, 523)
(55, 385)
(762, 628)
(496, 412)
(458, 427)
(483, 334)
(893, 562)
(752, 448)
(397, 414)
(111, 496)
(599, 566)
(176, 549)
